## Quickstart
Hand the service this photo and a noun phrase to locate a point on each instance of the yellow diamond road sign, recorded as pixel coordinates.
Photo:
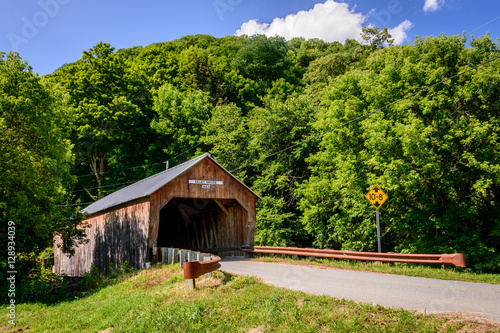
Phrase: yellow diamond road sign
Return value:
(376, 196)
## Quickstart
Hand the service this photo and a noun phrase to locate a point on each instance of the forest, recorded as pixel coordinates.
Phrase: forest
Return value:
(310, 126)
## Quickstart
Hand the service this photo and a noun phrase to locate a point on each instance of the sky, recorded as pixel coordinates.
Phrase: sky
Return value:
(50, 33)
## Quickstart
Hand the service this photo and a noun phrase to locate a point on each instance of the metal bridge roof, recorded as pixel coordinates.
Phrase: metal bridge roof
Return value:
(148, 186)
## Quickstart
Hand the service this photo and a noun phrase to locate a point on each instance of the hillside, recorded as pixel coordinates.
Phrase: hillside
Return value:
(310, 126)
(156, 300)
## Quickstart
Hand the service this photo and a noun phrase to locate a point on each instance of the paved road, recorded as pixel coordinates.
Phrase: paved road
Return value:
(395, 291)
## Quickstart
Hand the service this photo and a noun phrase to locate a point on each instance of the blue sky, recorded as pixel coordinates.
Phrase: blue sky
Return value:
(49, 33)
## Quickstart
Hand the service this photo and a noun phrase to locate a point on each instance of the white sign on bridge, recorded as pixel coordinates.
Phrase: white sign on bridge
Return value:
(206, 182)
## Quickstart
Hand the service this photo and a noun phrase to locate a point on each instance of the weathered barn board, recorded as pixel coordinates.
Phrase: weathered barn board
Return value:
(196, 205)
(113, 237)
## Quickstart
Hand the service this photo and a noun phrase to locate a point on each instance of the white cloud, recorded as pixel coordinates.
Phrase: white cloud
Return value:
(399, 33)
(330, 21)
(433, 5)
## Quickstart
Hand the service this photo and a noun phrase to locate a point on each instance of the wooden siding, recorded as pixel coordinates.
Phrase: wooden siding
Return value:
(128, 231)
(231, 230)
(113, 237)
(242, 220)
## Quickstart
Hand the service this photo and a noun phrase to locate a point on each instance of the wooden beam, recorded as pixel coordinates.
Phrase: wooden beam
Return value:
(221, 206)
(205, 233)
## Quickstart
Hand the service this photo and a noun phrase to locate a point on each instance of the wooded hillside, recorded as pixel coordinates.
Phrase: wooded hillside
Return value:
(310, 126)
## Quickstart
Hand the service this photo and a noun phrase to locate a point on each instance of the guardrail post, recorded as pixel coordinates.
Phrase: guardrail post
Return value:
(175, 256)
(192, 256)
(311, 258)
(154, 257)
(206, 258)
(164, 254)
(170, 256)
(190, 284)
(182, 257)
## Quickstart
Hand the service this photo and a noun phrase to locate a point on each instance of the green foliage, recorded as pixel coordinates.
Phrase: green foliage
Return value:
(323, 69)
(126, 268)
(376, 37)
(273, 128)
(227, 133)
(41, 285)
(35, 158)
(259, 105)
(181, 116)
(436, 155)
(275, 225)
(263, 59)
(34, 155)
(93, 279)
(110, 113)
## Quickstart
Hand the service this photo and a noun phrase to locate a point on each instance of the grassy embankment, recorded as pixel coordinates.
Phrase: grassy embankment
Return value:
(155, 300)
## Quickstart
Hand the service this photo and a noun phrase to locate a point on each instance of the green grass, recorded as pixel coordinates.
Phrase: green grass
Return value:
(155, 300)
(456, 274)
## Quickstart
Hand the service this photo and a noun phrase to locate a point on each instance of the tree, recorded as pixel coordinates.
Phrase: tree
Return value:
(263, 59)
(337, 62)
(155, 65)
(227, 133)
(109, 123)
(435, 154)
(180, 120)
(35, 159)
(375, 37)
(273, 129)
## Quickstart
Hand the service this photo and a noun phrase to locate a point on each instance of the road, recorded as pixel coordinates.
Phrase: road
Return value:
(396, 291)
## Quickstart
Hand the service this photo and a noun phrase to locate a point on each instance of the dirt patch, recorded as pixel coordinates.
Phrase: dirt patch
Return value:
(209, 282)
(471, 322)
(12, 329)
(107, 330)
(259, 329)
(149, 284)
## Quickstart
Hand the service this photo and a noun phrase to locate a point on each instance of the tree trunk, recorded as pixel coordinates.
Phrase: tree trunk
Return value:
(97, 165)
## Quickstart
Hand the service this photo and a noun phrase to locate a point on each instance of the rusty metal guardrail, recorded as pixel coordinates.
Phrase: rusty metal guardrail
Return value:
(456, 259)
(195, 269)
(194, 263)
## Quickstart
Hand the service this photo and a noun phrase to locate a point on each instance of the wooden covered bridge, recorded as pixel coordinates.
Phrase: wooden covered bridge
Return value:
(196, 205)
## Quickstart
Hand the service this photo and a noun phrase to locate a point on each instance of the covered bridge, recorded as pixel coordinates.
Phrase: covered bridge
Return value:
(196, 205)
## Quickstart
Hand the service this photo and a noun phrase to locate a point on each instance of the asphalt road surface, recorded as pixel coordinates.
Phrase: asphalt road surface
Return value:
(411, 293)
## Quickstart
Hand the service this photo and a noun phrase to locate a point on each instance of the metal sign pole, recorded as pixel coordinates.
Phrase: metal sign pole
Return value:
(378, 233)
(377, 197)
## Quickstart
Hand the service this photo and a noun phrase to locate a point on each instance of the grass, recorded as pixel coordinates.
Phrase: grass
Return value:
(155, 300)
(456, 274)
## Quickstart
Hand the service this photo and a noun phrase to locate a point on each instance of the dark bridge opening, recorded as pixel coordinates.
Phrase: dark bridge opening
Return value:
(197, 224)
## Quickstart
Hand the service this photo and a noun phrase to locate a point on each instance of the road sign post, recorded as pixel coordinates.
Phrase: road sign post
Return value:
(378, 233)
(377, 197)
